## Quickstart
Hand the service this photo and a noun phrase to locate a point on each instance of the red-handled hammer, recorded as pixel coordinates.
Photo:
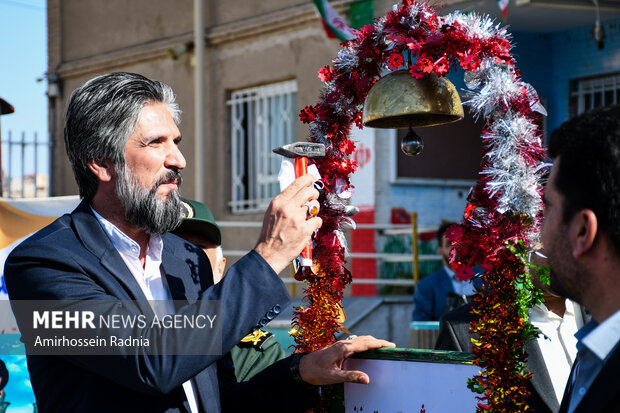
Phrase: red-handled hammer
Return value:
(301, 151)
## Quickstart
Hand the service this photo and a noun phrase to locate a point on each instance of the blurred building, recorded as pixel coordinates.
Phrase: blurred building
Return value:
(29, 186)
(261, 61)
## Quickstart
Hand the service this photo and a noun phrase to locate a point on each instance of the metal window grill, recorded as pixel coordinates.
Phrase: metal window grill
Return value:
(591, 93)
(26, 171)
(262, 118)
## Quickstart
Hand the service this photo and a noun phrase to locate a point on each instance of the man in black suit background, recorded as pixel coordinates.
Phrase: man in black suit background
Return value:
(581, 237)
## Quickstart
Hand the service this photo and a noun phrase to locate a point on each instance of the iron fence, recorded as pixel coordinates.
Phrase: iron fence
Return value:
(25, 166)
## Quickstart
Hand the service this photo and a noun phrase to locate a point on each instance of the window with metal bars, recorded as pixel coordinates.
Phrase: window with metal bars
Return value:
(262, 118)
(594, 92)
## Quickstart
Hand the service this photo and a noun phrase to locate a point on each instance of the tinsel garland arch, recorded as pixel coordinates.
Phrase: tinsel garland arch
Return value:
(502, 216)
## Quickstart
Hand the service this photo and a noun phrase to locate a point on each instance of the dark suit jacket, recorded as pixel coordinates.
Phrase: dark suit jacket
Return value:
(454, 335)
(603, 396)
(430, 297)
(73, 259)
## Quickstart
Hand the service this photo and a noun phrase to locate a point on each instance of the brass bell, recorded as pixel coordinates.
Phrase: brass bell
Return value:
(400, 101)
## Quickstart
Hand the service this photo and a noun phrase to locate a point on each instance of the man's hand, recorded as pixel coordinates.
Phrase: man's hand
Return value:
(286, 226)
(325, 366)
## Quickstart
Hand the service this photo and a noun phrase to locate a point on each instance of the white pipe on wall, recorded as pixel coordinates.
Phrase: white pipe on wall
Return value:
(199, 101)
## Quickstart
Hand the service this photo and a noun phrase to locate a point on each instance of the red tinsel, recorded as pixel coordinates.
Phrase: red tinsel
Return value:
(485, 237)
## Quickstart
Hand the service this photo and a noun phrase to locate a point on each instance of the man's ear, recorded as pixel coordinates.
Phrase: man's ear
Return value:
(104, 170)
(583, 229)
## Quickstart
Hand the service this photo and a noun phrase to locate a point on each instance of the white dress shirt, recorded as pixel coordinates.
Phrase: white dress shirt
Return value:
(460, 287)
(557, 342)
(149, 279)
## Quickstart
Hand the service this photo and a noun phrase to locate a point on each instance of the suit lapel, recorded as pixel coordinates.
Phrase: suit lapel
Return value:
(541, 381)
(446, 282)
(181, 272)
(94, 238)
(112, 261)
(179, 268)
(604, 393)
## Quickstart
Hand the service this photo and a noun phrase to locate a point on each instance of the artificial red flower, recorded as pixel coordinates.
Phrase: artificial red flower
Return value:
(348, 147)
(326, 74)
(442, 66)
(415, 47)
(422, 66)
(469, 60)
(307, 114)
(367, 30)
(395, 61)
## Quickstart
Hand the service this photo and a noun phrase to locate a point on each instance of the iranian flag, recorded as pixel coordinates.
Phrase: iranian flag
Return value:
(503, 6)
(334, 25)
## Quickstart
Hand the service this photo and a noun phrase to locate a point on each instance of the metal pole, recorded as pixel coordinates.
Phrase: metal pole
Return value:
(51, 143)
(36, 163)
(414, 245)
(10, 165)
(293, 286)
(23, 145)
(1, 171)
(199, 105)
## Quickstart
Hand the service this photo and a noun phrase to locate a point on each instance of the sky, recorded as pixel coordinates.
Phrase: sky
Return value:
(23, 60)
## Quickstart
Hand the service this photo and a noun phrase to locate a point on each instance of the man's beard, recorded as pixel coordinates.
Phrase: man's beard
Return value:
(568, 279)
(142, 207)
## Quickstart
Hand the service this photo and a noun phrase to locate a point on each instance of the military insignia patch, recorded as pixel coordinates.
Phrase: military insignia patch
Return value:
(255, 339)
(187, 211)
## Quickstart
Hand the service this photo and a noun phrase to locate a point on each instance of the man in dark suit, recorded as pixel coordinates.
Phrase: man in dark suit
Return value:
(550, 357)
(440, 292)
(581, 237)
(114, 252)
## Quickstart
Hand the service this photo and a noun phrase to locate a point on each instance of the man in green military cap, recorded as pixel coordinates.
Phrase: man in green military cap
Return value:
(258, 349)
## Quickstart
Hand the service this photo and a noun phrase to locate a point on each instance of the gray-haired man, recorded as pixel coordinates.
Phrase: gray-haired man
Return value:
(122, 139)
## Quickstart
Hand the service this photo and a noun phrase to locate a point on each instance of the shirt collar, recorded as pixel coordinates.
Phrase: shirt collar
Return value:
(450, 272)
(124, 244)
(600, 339)
(540, 312)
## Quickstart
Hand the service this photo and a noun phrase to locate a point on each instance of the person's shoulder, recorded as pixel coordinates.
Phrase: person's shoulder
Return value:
(460, 314)
(183, 250)
(173, 240)
(431, 279)
(56, 234)
(178, 245)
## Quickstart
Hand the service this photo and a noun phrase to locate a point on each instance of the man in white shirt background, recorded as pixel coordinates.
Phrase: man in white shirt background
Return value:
(550, 356)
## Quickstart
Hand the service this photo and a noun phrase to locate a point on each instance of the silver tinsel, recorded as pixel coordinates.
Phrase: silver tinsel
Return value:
(493, 88)
(477, 26)
(346, 60)
(512, 178)
(496, 88)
